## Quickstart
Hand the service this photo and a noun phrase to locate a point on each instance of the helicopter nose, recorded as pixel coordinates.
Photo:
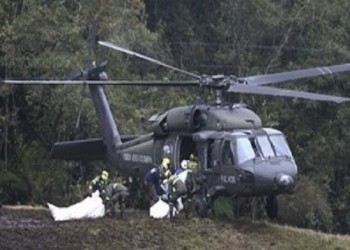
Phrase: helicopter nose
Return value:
(285, 183)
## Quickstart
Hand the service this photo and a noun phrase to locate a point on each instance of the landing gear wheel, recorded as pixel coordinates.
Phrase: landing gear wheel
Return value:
(272, 207)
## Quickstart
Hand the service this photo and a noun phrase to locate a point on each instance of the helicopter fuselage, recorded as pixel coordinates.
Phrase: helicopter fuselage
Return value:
(236, 156)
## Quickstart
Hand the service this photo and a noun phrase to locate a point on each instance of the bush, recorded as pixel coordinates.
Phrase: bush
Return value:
(223, 208)
(308, 207)
(12, 189)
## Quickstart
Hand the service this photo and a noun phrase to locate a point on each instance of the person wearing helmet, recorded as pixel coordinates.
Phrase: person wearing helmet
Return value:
(176, 189)
(166, 149)
(187, 175)
(100, 183)
(184, 166)
(117, 197)
(193, 163)
(165, 164)
(153, 178)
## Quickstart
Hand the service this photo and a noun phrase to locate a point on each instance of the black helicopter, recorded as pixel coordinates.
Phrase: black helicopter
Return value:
(237, 156)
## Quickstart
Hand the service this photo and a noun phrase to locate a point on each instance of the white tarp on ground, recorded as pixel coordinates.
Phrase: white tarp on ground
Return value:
(159, 210)
(90, 207)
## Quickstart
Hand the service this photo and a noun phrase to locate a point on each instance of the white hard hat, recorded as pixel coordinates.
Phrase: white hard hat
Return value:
(184, 164)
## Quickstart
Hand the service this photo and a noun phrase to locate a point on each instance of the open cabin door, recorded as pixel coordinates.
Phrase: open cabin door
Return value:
(170, 149)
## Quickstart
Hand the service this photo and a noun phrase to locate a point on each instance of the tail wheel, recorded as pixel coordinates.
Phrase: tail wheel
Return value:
(272, 207)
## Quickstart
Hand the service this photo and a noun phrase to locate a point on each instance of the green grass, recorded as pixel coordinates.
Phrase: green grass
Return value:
(147, 233)
(32, 228)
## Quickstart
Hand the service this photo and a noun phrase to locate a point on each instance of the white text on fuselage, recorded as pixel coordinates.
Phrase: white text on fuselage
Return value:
(137, 158)
(228, 179)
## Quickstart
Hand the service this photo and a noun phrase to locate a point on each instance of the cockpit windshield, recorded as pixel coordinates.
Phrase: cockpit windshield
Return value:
(280, 145)
(264, 146)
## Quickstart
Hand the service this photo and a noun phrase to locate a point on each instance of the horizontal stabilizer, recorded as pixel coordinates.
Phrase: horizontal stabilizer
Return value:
(90, 149)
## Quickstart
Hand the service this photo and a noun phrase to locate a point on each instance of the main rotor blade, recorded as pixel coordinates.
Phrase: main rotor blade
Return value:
(132, 53)
(150, 83)
(241, 88)
(296, 74)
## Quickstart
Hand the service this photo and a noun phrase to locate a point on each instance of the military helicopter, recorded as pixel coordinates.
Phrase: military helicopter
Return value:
(237, 156)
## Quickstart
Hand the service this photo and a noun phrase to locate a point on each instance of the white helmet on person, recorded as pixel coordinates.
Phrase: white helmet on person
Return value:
(184, 164)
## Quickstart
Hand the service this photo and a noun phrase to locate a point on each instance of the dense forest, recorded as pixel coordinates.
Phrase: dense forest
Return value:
(46, 39)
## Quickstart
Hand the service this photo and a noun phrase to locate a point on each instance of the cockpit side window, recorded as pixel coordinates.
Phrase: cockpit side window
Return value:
(255, 146)
(245, 150)
(227, 154)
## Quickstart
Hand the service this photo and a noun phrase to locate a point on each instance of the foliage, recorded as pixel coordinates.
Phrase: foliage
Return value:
(223, 208)
(48, 39)
(12, 189)
(307, 207)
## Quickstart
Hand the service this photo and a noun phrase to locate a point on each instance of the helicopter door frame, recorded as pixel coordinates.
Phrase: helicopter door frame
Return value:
(212, 169)
(172, 141)
(226, 156)
(186, 147)
(229, 169)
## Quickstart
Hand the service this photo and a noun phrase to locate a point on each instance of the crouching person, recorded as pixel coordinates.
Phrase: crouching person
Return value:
(100, 183)
(117, 198)
(177, 189)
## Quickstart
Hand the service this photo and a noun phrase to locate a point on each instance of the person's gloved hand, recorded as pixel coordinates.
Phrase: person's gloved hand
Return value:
(164, 197)
(170, 197)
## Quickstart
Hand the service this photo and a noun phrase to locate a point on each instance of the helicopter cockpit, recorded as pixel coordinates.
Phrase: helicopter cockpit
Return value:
(250, 146)
(263, 154)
